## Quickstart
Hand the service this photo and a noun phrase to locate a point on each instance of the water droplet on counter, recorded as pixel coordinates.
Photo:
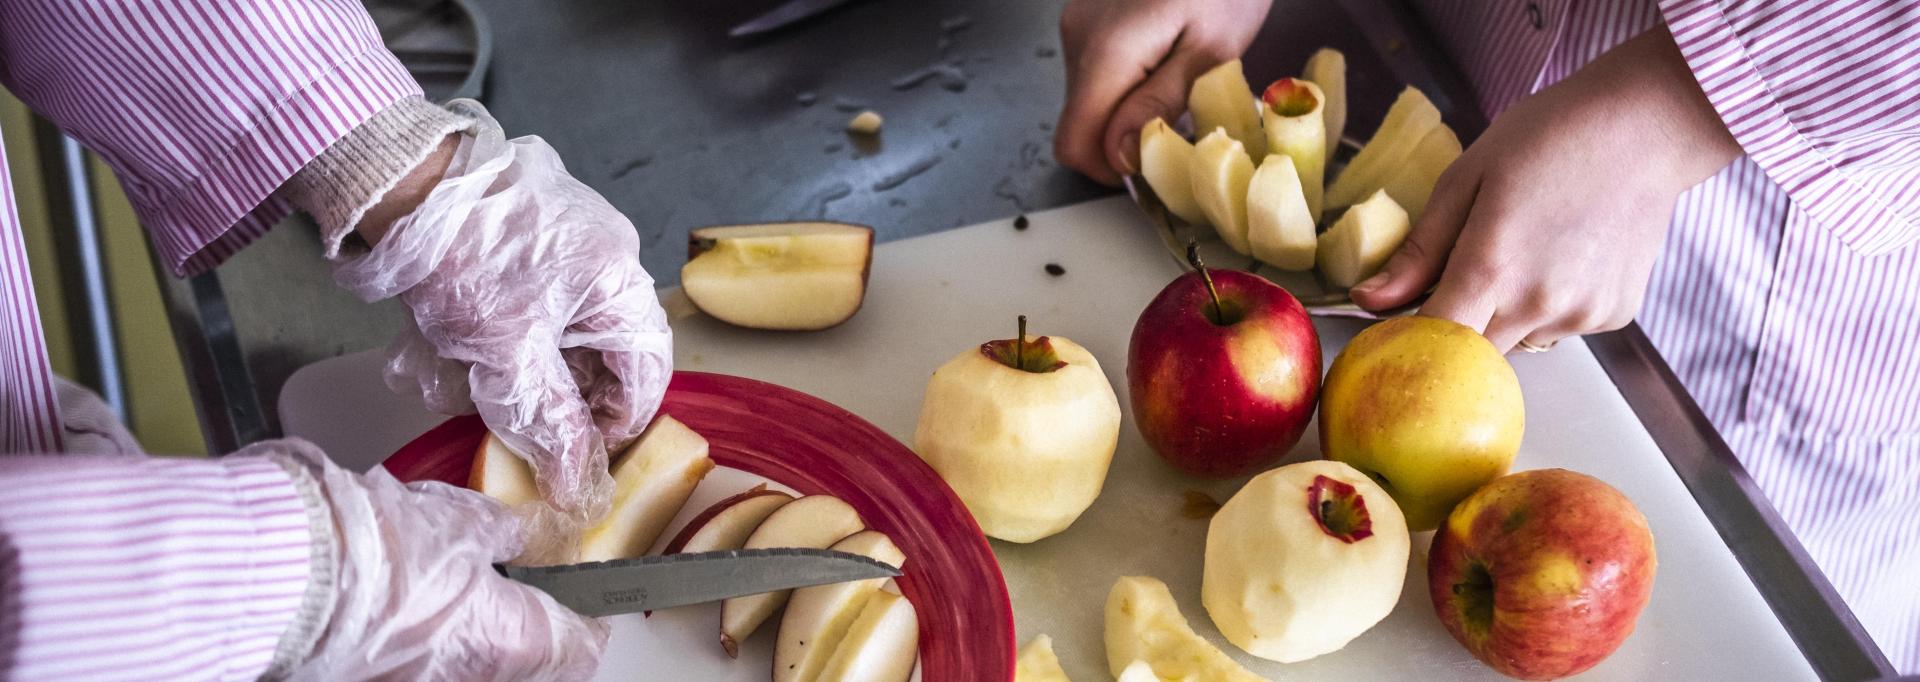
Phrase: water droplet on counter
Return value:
(806, 99)
(900, 177)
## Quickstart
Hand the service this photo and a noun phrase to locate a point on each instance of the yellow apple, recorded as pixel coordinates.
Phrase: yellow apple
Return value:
(1327, 68)
(1425, 407)
(1037, 663)
(1302, 560)
(783, 276)
(1166, 161)
(651, 482)
(1023, 433)
(1362, 240)
(1143, 623)
(1221, 98)
(1220, 174)
(1279, 222)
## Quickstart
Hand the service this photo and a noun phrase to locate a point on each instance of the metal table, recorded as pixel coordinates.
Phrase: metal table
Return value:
(681, 127)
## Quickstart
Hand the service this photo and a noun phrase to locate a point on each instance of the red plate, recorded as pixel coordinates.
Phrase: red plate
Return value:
(801, 441)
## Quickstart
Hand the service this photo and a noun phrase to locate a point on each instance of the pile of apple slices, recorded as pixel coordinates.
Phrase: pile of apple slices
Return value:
(860, 630)
(1271, 210)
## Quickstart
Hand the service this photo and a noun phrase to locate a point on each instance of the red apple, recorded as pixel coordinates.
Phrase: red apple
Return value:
(1541, 574)
(1224, 369)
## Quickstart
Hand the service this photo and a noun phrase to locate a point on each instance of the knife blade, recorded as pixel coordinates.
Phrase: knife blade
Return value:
(783, 16)
(605, 588)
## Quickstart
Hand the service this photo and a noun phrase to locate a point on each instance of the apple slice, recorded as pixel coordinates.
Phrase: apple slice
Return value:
(818, 617)
(1413, 182)
(1166, 161)
(1327, 68)
(881, 645)
(814, 522)
(1221, 98)
(1362, 240)
(1279, 222)
(1220, 173)
(1144, 624)
(785, 276)
(1137, 671)
(651, 482)
(727, 523)
(1295, 129)
(502, 475)
(1037, 663)
(1410, 118)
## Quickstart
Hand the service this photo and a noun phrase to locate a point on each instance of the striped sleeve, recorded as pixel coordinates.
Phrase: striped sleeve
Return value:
(148, 568)
(202, 107)
(1823, 97)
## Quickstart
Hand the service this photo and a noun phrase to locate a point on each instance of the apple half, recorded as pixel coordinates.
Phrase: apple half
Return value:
(651, 482)
(1166, 161)
(813, 522)
(1221, 98)
(1143, 623)
(1279, 220)
(1409, 120)
(501, 474)
(1220, 174)
(1327, 68)
(781, 276)
(1037, 662)
(1362, 240)
(818, 617)
(882, 644)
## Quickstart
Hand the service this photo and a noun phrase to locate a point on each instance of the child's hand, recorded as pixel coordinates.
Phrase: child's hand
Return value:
(1548, 226)
(1129, 61)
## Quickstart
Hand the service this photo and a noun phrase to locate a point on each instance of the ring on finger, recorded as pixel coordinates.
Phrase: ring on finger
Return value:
(1532, 347)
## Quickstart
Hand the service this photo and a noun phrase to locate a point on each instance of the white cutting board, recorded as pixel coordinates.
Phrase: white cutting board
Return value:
(932, 297)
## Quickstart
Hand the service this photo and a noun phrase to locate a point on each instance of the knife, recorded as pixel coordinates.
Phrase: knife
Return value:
(783, 16)
(605, 588)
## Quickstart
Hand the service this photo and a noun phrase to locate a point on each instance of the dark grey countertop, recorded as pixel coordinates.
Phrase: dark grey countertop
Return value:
(680, 127)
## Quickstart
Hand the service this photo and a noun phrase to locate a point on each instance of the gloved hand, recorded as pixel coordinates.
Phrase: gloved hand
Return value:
(405, 589)
(529, 304)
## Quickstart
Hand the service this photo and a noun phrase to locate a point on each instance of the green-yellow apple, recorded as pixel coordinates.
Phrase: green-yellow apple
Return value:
(1223, 368)
(1426, 408)
(1302, 560)
(1542, 574)
(1143, 623)
(1023, 430)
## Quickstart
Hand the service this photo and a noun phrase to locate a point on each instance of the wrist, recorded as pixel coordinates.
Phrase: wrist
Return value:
(377, 173)
(1659, 93)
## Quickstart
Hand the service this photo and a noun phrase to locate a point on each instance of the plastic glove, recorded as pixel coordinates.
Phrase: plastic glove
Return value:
(412, 593)
(528, 304)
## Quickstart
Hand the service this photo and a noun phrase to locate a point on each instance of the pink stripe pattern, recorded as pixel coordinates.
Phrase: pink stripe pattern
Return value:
(1786, 295)
(149, 583)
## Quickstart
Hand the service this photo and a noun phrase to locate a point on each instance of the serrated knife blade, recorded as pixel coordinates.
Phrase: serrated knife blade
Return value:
(605, 588)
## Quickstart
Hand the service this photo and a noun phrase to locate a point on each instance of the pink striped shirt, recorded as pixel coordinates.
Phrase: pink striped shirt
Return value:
(1788, 294)
(164, 569)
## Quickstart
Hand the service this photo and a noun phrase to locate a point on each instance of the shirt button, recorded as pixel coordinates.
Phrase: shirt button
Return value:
(1534, 16)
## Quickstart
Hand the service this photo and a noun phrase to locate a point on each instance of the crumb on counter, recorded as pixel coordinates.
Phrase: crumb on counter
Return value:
(865, 123)
(1020, 223)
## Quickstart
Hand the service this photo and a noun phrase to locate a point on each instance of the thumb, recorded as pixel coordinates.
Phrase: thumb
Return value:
(1418, 262)
(1162, 95)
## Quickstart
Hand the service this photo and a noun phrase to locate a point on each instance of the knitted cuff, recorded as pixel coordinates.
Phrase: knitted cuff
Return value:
(316, 608)
(340, 184)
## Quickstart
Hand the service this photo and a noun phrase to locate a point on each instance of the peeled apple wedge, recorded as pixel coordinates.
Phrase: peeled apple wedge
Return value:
(1295, 129)
(500, 474)
(1137, 671)
(1360, 243)
(1221, 98)
(1412, 183)
(818, 617)
(1037, 663)
(1327, 68)
(1279, 223)
(651, 482)
(1220, 174)
(782, 276)
(881, 645)
(1410, 118)
(1144, 624)
(1166, 161)
(814, 522)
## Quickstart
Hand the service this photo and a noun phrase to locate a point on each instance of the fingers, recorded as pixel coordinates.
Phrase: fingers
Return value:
(1101, 71)
(1421, 258)
(1162, 95)
(621, 360)
(530, 400)
(515, 632)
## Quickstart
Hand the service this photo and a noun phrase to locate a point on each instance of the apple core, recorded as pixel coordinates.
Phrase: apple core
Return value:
(1290, 97)
(1339, 509)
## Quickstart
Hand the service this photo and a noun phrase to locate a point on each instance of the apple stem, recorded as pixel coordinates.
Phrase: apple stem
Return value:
(1020, 344)
(1193, 257)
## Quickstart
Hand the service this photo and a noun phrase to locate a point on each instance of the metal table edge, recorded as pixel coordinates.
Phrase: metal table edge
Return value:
(1812, 612)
